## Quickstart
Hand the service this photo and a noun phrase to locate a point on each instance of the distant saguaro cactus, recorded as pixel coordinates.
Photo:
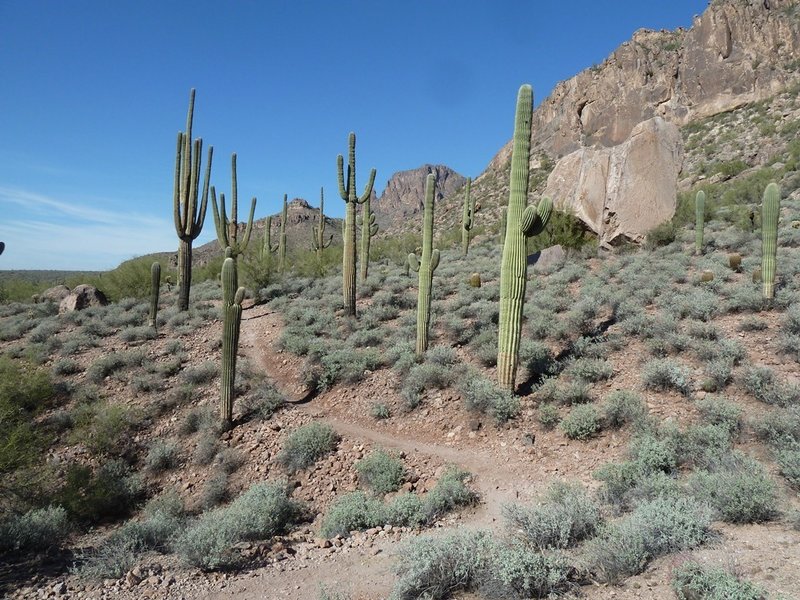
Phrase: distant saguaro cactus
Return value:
(266, 249)
(425, 266)
(282, 239)
(770, 209)
(348, 193)
(318, 243)
(155, 287)
(467, 217)
(522, 222)
(232, 297)
(366, 220)
(228, 228)
(188, 216)
(699, 220)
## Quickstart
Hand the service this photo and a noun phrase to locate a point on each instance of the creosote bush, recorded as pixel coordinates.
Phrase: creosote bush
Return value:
(306, 445)
(692, 580)
(36, 529)
(381, 472)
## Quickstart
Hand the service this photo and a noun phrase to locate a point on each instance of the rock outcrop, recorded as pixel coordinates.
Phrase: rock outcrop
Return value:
(404, 194)
(54, 294)
(81, 297)
(622, 191)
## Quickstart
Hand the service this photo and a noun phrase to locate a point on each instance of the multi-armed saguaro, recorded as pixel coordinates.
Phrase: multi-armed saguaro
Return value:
(232, 297)
(348, 194)
(699, 220)
(366, 220)
(467, 217)
(770, 209)
(228, 229)
(282, 238)
(188, 218)
(426, 265)
(155, 287)
(521, 223)
(318, 243)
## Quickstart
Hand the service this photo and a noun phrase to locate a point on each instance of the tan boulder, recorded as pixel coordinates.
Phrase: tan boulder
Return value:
(625, 190)
(54, 294)
(83, 296)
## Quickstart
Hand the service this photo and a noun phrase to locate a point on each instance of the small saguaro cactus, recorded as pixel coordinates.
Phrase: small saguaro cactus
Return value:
(266, 249)
(318, 243)
(188, 216)
(699, 220)
(522, 222)
(467, 217)
(348, 193)
(155, 286)
(282, 239)
(503, 218)
(232, 297)
(369, 228)
(228, 228)
(770, 208)
(425, 266)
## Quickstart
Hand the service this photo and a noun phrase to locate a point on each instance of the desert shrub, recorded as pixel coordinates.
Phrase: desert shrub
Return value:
(215, 490)
(351, 512)
(66, 366)
(202, 373)
(720, 374)
(36, 529)
(201, 418)
(161, 456)
(789, 462)
(105, 428)
(110, 492)
(665, 374)
(751, 323)
(148, 382)
(623, 407)
(738, 488)
(347, 365)
(780, 428)
(435, 567)
(261, 512)
(381, 472)
(591, 369)
(703, 445)
(692, 580)
(378, 410)
(406, 510)
(765, 386)
(110, 363)
(567, 516)
(582, 422)
(449, 493)
(660, 235)
(262, 402)
(654, 528)
(484, 396)
(548, 415)
(138, 334)
(567, 394)
(326, 593)
(716, 410)
(306, 445)
(651, 453)
(424, 377)
(517, 571)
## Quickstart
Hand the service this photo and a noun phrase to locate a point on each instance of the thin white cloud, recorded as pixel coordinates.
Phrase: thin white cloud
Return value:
(45, 204)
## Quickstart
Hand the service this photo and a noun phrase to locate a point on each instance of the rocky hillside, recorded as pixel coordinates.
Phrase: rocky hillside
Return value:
(600, 138)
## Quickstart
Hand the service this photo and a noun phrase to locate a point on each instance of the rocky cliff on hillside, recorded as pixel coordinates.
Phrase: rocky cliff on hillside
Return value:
(405, 194)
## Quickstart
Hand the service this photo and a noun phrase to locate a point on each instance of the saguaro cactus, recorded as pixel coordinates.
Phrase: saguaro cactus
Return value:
(366, 220)
(318, 243)
(155, 287)
(282, 238)
(770, 208)
(266, 249)
(228, 228)
(467, 217)
(232, 297)
(699, 220)
(503, 217)
(348, 194)
(522, 222)
(188, 216)
(425, 266)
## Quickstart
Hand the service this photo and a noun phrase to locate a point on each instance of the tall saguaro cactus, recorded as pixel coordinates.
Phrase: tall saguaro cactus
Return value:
(425, 266)
(155, 287)
(188, 216)
(228, 228)
(266, 249)
(770, 208)
(522, 222)
(366, 220)
(232, 297)
(282, 238)
(318, 243)
(467, 217)
(699, 220)
(348, 193)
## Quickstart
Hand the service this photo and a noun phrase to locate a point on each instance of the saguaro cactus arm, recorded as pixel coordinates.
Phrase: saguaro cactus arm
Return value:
(228, 227)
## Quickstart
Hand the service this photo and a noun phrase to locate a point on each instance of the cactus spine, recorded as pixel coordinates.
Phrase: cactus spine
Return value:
(228, 228)
(366, 220)
(467, 218)
(425, 266)
(348, 194)
(187, 215)
(155, 286)
(282, 239)
(503, 217)
(318, 243)
(232, 297)
(699, 220)
(522, 222)
(770, 209)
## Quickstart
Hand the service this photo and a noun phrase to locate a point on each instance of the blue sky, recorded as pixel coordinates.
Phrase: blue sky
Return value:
(95, 92)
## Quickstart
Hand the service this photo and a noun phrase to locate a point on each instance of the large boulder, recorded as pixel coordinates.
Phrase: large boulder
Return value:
(623, 191)
(54, 294)
(83, 296)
